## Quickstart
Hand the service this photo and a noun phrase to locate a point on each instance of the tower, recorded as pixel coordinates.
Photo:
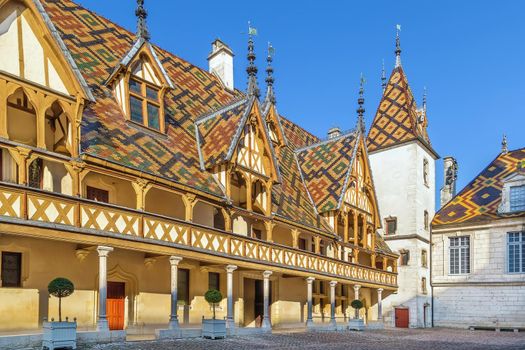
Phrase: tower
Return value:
(403, 164)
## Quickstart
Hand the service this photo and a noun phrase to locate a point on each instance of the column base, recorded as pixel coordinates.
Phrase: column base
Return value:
(266, 324)
(230, 323)
(309, 323)
(102, 325)
(174, 324)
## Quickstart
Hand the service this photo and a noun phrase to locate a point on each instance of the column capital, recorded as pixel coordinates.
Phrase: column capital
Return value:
(309, 280)
(175, 260)
(333, 283)
(380, 290)
(267, 274)
(357, 287)
(104, 251)
(231, 268)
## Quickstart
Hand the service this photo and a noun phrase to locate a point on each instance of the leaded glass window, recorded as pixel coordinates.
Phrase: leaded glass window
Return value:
(145, 101)
(459, 255)
(516, 252)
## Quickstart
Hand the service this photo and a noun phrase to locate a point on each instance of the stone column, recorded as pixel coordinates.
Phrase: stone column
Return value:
(332, 303)
(266, 323)
(174, 319)
(309, 319)
(356, 297)
(230, 323)
(103, 252)
(380, 304)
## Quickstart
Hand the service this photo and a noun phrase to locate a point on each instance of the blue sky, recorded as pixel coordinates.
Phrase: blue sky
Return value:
(469, 54)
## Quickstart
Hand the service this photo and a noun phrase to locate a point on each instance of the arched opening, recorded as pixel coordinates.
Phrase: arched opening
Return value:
(50, 176)
(208, 215)
(109, 189)
(9, 168)
(259, 197)
(238, 190)
(165, 203)
(21, 119)
(58, 130)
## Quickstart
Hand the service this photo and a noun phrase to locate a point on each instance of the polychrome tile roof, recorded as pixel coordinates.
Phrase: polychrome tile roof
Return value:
(397, 118)
(325, 167)
(297, 137)
(480, 199)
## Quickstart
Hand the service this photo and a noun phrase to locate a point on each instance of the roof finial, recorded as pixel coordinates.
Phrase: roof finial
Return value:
(142, 28)
(270, 96)
(361, 110)
(425, 98)
(253, 89)
(383, 76)
(504, 146)
(398, 46)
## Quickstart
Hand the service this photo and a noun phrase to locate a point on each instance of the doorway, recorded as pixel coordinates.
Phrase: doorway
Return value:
(258, 303)
(115, 305)
(254, 302)
(401, 317)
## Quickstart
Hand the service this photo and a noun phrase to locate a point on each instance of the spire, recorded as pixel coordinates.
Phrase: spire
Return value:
(253, 89)
(361, 110)
(383, 76)
(398, 46)
(504, 146)
(270, 96)
(142, 28)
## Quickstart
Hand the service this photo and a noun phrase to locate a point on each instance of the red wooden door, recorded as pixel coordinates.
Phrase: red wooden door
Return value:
(401, 318)
(115, 305)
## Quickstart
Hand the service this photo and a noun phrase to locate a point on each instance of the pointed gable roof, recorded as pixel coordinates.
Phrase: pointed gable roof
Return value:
(397, 119)
(325, 167)
(480, 199)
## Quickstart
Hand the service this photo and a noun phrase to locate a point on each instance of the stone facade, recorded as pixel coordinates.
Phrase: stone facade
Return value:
(488, 296)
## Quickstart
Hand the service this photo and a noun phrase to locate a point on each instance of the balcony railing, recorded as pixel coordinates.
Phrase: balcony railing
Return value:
(39, 206)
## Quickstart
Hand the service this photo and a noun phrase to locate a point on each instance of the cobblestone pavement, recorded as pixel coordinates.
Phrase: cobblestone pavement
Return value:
(409, 339)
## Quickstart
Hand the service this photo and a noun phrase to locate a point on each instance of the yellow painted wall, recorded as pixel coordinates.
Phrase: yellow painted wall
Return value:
(18, 309)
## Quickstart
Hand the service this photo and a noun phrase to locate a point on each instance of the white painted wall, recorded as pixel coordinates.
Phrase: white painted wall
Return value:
(221, 64)
(487, 296)
(402, 193)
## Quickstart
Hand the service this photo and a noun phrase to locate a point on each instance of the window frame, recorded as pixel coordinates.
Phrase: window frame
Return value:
(145, 101)
(218, 277)
(426, 172)
(424, 258)
(461, 259)
(426, 220)
(521, 207)
(521, 263)
(19, 269)
(387, 221)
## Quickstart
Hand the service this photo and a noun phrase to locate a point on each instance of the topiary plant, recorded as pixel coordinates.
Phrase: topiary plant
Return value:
(213, 296)
(357, 304)
(60, 288)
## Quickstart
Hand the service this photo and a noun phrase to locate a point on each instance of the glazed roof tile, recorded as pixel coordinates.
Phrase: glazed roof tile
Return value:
(480, 199)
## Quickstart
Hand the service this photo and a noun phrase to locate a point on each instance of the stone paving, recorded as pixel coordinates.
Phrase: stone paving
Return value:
(395, 339)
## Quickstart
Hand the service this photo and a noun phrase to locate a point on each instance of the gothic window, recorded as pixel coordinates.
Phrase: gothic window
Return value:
(214, 281)
(11, 269)
(517, 198)
(424, 285)
(516, 252)
(391, 225)
(459, 255)
(425, 172)
(405, 257)
(425, 220)
(424, 258)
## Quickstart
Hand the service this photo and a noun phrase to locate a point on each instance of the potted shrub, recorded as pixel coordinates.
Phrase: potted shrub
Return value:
(356, 323)
(213, 328)
(60, 334)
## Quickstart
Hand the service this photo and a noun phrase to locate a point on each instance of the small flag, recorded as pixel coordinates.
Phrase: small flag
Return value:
(251, 30)
(271, 49)
(398, 27)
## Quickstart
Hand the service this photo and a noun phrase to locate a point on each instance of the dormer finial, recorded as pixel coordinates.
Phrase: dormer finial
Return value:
(425, 98)
(270, 96)
(398, 46)
(253, 89)
(504, 146)
(361, 110)
(142, 14)
(383, 76)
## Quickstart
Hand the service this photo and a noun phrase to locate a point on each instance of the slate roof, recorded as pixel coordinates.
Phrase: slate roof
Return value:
(397, 118)
(480, 199)
(326, 166)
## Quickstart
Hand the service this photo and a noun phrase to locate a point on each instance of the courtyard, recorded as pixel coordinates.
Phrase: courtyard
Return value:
(392, 339)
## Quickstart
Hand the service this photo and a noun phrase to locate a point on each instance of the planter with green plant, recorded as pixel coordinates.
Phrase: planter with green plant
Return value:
(61, 334)
(356, 323)
(213, 328)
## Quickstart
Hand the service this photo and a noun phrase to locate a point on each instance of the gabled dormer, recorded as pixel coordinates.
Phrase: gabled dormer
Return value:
(139, 82)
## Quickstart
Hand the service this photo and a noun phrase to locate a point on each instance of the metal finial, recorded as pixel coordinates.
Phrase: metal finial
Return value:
(253, 89)
(383, 76)
(504, 146)
(269, 74)
(142, 14)
(361, 109)
(398, 46)
(425, 98)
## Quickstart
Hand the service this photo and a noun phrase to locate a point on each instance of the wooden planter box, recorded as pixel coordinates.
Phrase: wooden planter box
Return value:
(59, 335)
(356, 324)
(213, 328)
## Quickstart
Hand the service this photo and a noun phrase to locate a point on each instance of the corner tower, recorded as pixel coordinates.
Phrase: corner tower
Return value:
(403, 164)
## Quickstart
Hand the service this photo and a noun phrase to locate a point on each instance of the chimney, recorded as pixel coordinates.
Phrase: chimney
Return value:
(220, 62)
(334, 132)
(450, 174)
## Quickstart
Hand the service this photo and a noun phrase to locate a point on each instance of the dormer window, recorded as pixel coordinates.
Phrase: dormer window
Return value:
(144, 98)
(517, 198)
(513, 194)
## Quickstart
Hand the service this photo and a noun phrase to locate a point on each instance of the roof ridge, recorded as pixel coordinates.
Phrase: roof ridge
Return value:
(351, 132)
(221, 109)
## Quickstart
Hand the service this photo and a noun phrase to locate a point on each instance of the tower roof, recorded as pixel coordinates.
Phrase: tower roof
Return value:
(397, 119)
